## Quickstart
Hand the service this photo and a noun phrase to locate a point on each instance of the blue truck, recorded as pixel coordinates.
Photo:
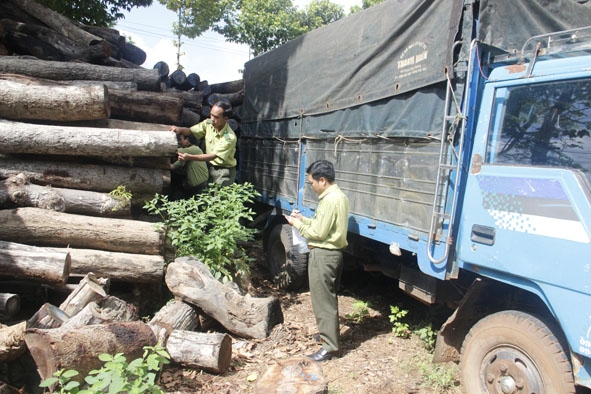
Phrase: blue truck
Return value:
(460, 131)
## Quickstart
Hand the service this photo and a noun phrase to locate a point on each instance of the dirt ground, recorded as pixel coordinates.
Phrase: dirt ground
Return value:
(373, 360)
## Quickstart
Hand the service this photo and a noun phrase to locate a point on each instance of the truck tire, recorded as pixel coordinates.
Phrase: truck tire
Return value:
(514, 352)
(288, 266)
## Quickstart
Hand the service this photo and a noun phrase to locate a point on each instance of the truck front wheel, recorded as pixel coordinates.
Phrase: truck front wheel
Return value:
(288, 266)
(514, 352)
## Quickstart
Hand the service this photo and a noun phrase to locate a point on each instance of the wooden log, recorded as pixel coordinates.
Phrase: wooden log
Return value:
(101, 178)
(57, 22)
(204, 88)
(193, 80)
(175, 315)
(125, 267)
(23, 44)
(179, 80)
(121, 124)
(193, 100)
(189, 118)
(37, 101)
(42, 227)
(66, 48)
(17, 192)
(111, 310)
(208, 351)
(234, 99)
(12, 341)
(90, 289)
(16, 137)
(228, 87)
(48, 316)
(190, 280)
(146, 79)
(34, 263)
(24, 79)
(146, 107)
(133, 53)
(10, 304)
(162, 68)
(79, 348)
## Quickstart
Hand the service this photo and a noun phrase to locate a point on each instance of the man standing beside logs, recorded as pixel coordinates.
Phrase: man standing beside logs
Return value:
(220, 144)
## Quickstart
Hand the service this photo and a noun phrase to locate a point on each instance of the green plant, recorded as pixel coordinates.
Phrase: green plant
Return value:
(360, 311)
(439, 378)
(427, 335)
(121, 194)
(399, 328)
(116, 375)
(62, 378)
(210, 227)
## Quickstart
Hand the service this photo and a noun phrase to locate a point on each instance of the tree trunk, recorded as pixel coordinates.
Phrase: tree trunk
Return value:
(146, 79)
(190, 280)
(100, 178)
(79, 348)
(234, 99)
(15, 191)
(16, 137)
(193, 100)
(38, 226)
(175, 315)
(125, 267)
(146, 107)
(190, 118)
(121, 124)
(227, 87)
(57, 22)
(10, 304)
(33, 263)
(212, 352)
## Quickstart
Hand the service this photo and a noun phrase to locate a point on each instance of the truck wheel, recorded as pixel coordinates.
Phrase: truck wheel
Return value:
(514, 352)
(288, 266)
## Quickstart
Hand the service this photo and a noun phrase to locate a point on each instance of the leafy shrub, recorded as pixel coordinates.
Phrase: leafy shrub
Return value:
(210, 227)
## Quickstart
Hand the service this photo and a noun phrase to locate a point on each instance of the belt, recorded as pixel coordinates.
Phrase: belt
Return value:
(220, 167)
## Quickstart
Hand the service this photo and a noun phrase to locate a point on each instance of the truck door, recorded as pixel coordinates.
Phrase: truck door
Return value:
(526, 218)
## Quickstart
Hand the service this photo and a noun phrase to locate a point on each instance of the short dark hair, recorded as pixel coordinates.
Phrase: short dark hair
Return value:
(321, 169)
(226, 108)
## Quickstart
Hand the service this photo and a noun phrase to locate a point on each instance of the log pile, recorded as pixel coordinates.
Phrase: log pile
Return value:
(81, 118)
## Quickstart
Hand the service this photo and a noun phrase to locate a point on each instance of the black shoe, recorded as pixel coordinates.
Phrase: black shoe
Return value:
(322, 355)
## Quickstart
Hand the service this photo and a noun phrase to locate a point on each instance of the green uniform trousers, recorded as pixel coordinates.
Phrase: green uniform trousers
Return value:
(324, 274)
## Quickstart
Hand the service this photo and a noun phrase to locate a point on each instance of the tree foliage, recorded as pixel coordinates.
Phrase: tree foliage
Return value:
(194, 17)
(94, 12)
(322, 12)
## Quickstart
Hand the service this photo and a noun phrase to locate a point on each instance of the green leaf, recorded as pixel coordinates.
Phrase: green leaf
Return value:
(48, 382)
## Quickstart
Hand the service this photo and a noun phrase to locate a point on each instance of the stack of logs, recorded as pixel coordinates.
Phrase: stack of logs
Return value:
(79, 119)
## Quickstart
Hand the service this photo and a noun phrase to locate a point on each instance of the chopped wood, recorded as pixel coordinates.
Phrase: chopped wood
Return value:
(33, 263)
(190, 280)
(72, 175)
(10, 304)
(146, 79)
(89, 289)
(48, 316)
(209, 351)
(161, 108)
(49, 228)
(12, 341)
(175, 315)
(80, 347)
(110, 310)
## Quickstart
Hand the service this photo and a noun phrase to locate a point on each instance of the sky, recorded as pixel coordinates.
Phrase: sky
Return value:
(210, 55)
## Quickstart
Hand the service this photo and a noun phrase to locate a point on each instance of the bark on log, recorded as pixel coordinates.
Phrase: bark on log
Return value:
(191, 281)
(132, 53)
(89, 289)
(41, 227)
(16, 137)
(189, 118)
(234, 99)
(100, 178)
(163, 69)
(57, 46)
(212, 352)
(24, 79)
(12, 341)
(176, 315)
(58, 103)
(34, 263)
(193, 100)
(10, 304)
(146, 79)
(16, 191)
(56, 21)
(147, 107)
(121, 124)
(125, 267)
(79, 348)
(227, 87)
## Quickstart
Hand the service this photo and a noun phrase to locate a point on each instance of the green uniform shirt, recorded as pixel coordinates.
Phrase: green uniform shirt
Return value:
(197, 171)
(221, 143)
(328, 228)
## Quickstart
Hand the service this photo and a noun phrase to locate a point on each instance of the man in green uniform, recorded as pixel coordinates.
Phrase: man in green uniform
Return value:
(197, 174)
(326, 233)
(220, 144)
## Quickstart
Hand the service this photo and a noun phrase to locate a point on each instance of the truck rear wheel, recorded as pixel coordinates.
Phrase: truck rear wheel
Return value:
(288, 266)
(514, 352)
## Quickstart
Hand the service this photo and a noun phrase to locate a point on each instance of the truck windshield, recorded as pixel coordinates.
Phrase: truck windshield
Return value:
(545, 124)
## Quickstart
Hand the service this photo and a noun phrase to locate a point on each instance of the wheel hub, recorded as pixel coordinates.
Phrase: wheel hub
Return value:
(507, 370)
